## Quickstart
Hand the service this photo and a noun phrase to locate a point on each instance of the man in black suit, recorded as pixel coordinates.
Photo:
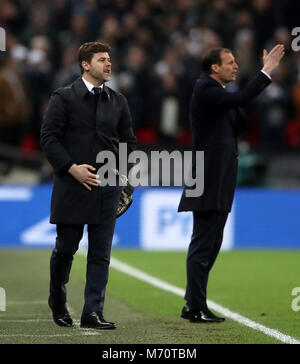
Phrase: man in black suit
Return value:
(217, 117)
(82, 120)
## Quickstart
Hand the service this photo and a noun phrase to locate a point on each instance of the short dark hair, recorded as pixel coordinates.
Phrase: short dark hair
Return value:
(213, 56)
(87, 50)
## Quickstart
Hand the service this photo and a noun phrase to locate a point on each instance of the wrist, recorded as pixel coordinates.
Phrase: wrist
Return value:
(71, 169)
(267, 70)
(267, 74)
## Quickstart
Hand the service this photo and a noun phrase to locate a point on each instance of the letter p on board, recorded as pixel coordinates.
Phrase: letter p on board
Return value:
(2, 40)
(2, 299)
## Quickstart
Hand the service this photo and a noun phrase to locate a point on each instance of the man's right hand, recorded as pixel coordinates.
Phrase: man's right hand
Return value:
(84, 176)
(272, 59)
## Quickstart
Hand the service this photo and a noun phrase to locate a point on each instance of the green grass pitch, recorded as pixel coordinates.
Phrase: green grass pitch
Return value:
(255, 284)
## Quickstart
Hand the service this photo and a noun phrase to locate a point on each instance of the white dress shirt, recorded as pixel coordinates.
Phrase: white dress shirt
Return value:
(90, 86)
(265, 73)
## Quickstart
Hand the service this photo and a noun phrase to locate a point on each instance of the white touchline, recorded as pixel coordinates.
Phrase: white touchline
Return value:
(136, 273)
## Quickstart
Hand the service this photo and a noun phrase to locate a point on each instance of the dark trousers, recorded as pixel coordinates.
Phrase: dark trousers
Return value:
(205, 245)
(99, 247)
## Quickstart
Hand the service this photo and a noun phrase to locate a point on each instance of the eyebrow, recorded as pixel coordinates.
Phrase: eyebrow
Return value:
(103, 58)
(231, 60)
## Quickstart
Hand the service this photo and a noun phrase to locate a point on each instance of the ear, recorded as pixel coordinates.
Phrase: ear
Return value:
(215, 68)
(85, 65)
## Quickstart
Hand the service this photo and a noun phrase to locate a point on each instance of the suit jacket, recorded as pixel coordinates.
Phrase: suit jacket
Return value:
(217, 117)
(75, 129)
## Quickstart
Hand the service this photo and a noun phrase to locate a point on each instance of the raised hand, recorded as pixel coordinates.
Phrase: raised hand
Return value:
(272, 59)
(84, 176)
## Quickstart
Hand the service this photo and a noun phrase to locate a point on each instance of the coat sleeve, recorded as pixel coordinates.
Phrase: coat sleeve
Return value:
(52, 134)
(125, 132)
(125, 129)
(218, 97)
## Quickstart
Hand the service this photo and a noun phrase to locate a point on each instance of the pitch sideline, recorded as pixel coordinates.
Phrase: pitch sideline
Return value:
(158, 283)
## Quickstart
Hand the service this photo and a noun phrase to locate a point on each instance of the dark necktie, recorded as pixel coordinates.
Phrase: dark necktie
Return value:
(95, 97)
(97, 91)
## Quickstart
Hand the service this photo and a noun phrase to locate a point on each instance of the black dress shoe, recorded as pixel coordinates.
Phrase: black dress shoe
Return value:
(205, 316)
(60, 314)
(101, 318)
(186, 313)
(93, 321)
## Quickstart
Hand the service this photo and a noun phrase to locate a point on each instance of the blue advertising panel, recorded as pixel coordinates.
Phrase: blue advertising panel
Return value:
(266, 218)
(260, 219)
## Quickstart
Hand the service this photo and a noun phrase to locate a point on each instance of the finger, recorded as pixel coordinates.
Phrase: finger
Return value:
(87, 186)
(92, 175)
(88, 166)
(92, 182)
(275, 49)
(280, 53)
(279, 48)
(265, 53)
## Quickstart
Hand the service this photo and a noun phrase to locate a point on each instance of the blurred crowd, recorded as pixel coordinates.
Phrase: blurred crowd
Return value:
(157, 46)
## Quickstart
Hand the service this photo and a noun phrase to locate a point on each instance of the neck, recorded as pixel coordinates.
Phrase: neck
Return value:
(217, 78)
(92, 80)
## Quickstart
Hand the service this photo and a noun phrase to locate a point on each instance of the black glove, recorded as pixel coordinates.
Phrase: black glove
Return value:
(125, 200)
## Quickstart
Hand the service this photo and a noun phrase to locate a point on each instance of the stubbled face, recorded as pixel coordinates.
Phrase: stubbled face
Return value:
(100, 67)
(227, 71)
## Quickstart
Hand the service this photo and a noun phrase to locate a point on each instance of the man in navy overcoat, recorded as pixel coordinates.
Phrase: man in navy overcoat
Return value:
(217, 117)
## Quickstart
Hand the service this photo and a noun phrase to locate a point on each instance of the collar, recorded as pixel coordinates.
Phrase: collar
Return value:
(82, 88)
(209, 78)
(89, 85)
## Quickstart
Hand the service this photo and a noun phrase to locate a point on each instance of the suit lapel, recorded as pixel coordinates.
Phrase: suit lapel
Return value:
(103, 104)
(102, 108)
(87, 103)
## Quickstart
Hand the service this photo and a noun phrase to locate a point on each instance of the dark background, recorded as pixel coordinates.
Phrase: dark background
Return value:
(157, 47)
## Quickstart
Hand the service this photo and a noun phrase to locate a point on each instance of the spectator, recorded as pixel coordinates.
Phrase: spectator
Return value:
(157, 46)
(273, 108)
(14, 108)
(15, 105)
(69, 71)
